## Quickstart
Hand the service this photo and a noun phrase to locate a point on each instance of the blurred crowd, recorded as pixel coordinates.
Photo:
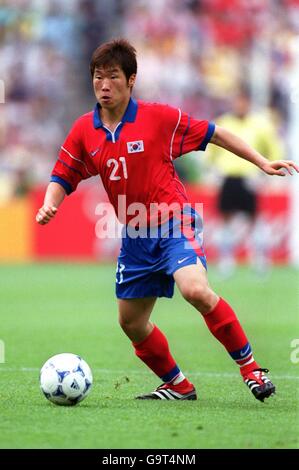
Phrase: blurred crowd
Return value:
(191, 53)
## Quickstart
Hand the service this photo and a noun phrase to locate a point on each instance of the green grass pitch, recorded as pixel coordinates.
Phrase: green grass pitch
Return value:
(52, 308)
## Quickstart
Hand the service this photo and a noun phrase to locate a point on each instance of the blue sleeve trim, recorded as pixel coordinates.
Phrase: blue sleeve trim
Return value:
(209, 134)
(184, 135)
(63, 183)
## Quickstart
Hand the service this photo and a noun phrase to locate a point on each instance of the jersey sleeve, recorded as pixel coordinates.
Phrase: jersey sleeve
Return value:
(71, 166)
(188, 134)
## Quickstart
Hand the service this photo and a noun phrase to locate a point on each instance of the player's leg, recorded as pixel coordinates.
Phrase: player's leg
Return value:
(151, 346)
(133, 317)
(224, 325)
(139, 281)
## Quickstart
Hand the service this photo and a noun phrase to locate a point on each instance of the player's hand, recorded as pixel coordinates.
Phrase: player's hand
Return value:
(280, 167)
(45, 214)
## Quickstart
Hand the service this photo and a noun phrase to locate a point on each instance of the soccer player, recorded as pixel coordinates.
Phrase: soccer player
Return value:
(132, 145)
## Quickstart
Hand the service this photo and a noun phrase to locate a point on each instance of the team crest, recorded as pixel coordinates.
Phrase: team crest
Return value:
(134, 147)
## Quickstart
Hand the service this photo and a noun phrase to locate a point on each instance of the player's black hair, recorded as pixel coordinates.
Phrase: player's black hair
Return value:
(116, 52)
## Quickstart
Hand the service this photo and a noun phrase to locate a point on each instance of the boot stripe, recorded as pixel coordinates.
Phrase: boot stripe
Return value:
(159, 395)
(176, 395)
(250, 382)
(168, 394)
(252, 387)
(261, 387)
(265, 380)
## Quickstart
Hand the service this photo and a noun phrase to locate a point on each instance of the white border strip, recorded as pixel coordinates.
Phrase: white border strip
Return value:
(172, 138)
(77, 160)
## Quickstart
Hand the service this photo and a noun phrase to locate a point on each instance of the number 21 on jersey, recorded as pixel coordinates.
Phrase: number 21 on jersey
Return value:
(119, 168)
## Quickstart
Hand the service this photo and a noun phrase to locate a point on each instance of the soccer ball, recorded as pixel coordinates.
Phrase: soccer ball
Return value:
(65, 379)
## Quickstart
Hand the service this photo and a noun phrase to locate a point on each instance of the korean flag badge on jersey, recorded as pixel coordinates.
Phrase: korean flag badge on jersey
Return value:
(135, 147)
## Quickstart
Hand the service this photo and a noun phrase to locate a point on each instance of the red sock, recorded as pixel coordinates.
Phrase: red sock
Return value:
(154, 352)
(224, 325)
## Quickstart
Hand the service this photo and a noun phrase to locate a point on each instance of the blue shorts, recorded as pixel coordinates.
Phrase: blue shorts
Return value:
(146, 264)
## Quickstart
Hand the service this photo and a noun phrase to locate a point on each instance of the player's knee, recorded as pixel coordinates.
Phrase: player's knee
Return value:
(193, 292)
(128, 325)
(125, 323)
(135, 330)
(200, 296)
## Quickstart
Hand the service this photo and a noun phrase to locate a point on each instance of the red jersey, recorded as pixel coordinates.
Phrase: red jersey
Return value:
(136, 160)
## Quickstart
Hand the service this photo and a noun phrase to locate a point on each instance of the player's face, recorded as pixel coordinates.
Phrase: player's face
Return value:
(241, 105)
(111, 86)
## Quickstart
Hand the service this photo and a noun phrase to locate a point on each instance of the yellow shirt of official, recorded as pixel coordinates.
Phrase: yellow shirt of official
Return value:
(258, 131)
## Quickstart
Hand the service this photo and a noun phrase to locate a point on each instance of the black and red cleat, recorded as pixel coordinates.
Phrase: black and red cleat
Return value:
(171, 392)
(259, 384)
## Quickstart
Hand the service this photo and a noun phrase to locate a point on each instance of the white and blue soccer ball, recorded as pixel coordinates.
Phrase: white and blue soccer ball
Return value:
(65, 379)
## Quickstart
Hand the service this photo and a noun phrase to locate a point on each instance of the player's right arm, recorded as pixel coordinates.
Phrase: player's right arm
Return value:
(70, 168)
(54, 196)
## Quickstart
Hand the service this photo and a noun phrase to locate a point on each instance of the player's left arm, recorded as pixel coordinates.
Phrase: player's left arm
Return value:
(231, 142)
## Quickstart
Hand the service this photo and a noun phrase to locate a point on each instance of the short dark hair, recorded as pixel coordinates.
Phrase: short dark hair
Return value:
(116, 52)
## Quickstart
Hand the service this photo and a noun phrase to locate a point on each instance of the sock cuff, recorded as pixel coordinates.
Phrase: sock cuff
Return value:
(146, 339)
(222, 314)
(216, 306)
(221, 303)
